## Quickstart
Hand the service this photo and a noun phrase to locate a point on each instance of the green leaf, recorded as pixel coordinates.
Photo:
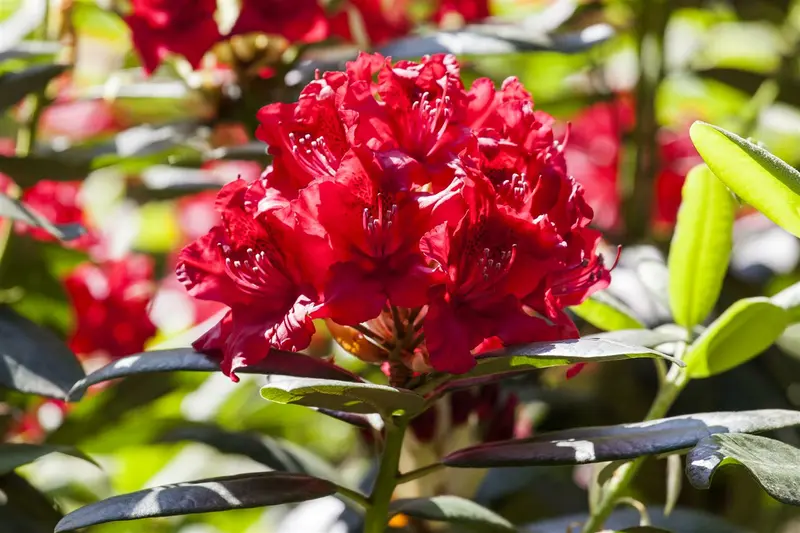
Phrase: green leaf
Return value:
(281, 455)
(24, 509)
(14, 86)
(624, 441)
(789, 299)
(743, 331)
(33, 359)
(605, 312)
(701, 247)
(14, 455)
(755, 175)
(26, 171)
(452, 509)
(245, 491)
(342, 395)
(773, 464)
(649, 338)
(674, 483)
(186, 359)
(26, 18)
(16, 210)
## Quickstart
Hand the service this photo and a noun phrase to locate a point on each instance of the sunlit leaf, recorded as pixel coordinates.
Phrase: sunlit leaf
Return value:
(773, 464)
(341, 396)
(186, 359)
(789, 299)
(755, 175)
(743, 331)
(605, 312)
(674, 482)
(701, 247)
(244, 491)
(33, 359)
(454, 510)
(14, 455)
(623, 441)
(29, 15)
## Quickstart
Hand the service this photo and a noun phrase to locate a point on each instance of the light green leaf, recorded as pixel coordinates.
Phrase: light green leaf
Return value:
(789, 299)
(700, 248)
(341, 395)
(743, 331)
(755, 175)
(453, 509)
(14, 455)
(674, 482)
(605, 312)
(773, 464)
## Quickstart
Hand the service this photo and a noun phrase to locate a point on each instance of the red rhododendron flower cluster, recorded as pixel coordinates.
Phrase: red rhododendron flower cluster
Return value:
(111, 302)
(397, 192)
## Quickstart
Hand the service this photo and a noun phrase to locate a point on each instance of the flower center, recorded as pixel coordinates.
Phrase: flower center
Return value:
(313, 154)
(433, 120)
(251, 270)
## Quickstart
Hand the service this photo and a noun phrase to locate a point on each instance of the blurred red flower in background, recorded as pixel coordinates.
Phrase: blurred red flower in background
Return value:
(381, 21)
(297, 20)
(183, 27)
(463, 10)
(111, 302)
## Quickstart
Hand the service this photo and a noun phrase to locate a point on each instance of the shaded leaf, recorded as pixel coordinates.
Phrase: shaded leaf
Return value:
(277, 454)
(186, 359)
(743, 331)
(253, 151)
(14, 86)
(369, 422)
(773, 464)
(755, 175)
(244, 491)
(14, 455)
(649, 338)
(605, 312)
(623, 441)
(341, 395)
(33, 359)
(26, 171)
(701, 247)
(24, 509)
(16, 210)
(452, 509)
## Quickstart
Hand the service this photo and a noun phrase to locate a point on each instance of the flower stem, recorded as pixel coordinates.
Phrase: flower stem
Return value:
(675, 382)
(377, 516)
(419, 472)
(354, 496)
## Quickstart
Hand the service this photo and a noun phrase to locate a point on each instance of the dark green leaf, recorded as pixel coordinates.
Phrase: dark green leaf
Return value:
(33, 359)
(186, 359)
(624, 441)
(14, 86)
(277, 454)
(701, 247)
(16, 210)
(605, 312)
(14, 455)
(341, 395)
(23, 509)
(26, 171)
(773, 464)
(452, 509)
(755, 175)
(743, 331)
(643, 529)
(245, 491)
(254, 151)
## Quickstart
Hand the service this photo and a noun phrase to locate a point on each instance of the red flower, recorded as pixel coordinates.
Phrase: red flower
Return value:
(111, 302)
(465, 10)
(678, 156)
(78, 120)
(183, 27)
(60, 203)
(381, 21)
(251, 264)
(297, 20)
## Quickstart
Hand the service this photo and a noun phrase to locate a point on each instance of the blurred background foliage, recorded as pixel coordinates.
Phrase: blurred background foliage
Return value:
(629, 76)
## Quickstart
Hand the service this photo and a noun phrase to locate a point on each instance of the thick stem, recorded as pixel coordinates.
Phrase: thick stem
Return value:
(377, 516)
(612, 492)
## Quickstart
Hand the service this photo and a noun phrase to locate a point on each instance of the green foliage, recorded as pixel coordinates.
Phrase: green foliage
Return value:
(455, 510)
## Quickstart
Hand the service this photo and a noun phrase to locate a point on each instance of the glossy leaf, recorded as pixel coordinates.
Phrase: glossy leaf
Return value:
(16, 210)
(186, 359)
(244, 491)
(34, 360)
(755, 175)
(454, 510)
(623, 441)
(789, 299)
(773, 464)
(14, 455)
(649, 338)
(743, 331)
(701, 247)
(341, 395)
(605, 312)
(14, 86)
(277, 454)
